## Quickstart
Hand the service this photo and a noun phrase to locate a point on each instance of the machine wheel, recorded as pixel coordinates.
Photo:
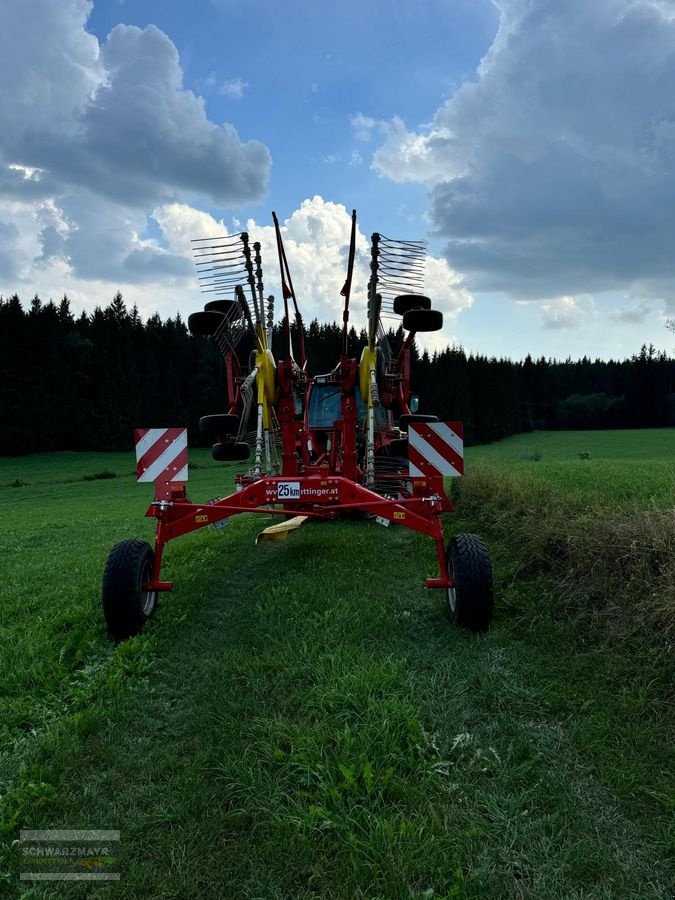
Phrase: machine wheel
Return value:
(224, 307)
(126, 606)
(205, 323)
(411, 418)
(470, 601)
(230, 452)
(219, 425)
(423, 320)
(404, 302)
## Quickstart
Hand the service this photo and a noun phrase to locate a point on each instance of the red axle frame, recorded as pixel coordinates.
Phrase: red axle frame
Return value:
(319, 497)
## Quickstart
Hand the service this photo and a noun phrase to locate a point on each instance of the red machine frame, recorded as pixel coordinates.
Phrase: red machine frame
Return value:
(320, 497)
(326, 486)
(350, 457)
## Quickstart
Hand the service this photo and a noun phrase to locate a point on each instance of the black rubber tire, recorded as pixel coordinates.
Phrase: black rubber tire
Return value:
(408, 418)
(224, 307)
(405, 302)
(230, 452)
(125, 606)
(220, 425)
(423, 320)
(205, 323)
(469, 564)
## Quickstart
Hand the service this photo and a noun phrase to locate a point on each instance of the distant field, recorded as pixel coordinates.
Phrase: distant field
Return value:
(64, 467)
(301, 720)
(640, 445)
(600, 466)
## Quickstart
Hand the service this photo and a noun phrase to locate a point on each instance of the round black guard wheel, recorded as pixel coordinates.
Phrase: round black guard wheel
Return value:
(219, 425)
(205, 323)
(230, 452)
(423, 320)
(224, 307)
(410, 418)
(470, 602)
(126, 606)
(404, 302)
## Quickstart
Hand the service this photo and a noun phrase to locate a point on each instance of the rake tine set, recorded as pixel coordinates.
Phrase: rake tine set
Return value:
(225, 265)
(399, 269)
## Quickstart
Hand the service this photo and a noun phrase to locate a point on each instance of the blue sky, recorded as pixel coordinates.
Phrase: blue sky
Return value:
(531, 142)
(307, 69)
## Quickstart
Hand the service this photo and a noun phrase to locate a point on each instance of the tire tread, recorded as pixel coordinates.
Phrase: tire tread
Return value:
(475, 591)
(218, 425)
(120, 598)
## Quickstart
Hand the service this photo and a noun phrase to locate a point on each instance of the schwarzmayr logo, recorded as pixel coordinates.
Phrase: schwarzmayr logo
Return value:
(62, 855)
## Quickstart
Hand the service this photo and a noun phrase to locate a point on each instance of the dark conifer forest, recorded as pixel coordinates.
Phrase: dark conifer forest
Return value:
(84, 383)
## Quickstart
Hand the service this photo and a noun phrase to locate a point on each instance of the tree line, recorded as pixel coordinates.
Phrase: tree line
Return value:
(84, 383)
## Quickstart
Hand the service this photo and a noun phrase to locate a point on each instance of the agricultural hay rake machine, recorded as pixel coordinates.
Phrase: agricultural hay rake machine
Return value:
(346, 442)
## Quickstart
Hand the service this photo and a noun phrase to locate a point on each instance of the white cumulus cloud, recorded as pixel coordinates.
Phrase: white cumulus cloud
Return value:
(182, 224)
(554, 167)
(159, 278)
(234, 88)
(114, 118)
(561, 313)
(363, 127)
(94, 136)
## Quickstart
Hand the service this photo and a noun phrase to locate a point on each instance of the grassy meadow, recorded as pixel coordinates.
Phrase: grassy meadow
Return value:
(602, 467)
(300, 719)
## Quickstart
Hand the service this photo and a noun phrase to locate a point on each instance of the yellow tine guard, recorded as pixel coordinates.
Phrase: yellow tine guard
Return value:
(281, 531)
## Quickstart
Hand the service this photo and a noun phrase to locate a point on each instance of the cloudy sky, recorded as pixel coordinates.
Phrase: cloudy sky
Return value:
(530, 142)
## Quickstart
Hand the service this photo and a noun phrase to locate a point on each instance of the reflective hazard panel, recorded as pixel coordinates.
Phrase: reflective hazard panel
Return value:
(161, 454)
(435, 448)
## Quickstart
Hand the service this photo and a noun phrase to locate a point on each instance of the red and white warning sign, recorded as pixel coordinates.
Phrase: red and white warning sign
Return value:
(161, 454)
(435, 448)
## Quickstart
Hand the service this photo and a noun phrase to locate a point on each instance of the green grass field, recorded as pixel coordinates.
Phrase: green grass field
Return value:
(605, 467)
(301, 720)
